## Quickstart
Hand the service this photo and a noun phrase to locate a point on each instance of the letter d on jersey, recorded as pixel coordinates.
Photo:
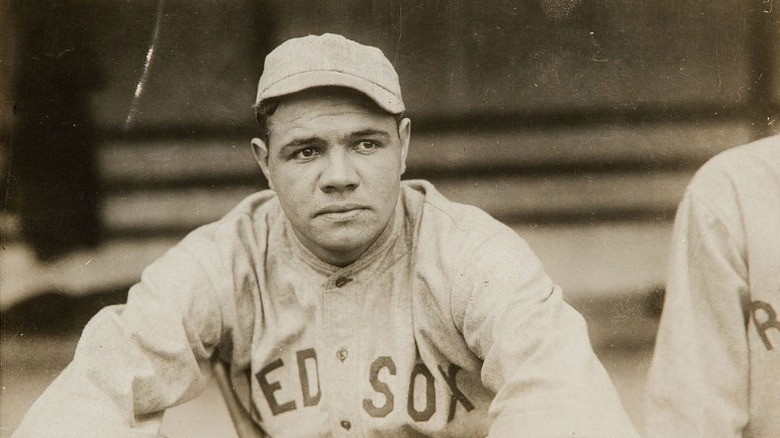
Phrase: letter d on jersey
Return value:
(303, 356)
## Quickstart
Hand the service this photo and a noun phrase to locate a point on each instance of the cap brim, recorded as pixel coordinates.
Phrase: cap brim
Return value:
(302, 81)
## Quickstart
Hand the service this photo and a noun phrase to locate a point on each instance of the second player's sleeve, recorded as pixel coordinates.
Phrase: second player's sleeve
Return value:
(135, 360)
(536, 353)
(698, 381)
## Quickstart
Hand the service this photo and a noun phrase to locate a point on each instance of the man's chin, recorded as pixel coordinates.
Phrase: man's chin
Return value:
(346, 242)
(344, 246)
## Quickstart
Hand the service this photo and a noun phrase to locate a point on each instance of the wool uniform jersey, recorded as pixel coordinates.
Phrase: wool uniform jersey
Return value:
(716, 368)
(446, 327)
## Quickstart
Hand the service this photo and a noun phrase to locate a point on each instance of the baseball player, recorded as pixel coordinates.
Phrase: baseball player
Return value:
(343, 302)
(716, 366)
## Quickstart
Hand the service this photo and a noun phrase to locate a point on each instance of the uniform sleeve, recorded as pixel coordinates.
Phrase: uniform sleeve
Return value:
(135, 360)
(536, 354)
(698, 380)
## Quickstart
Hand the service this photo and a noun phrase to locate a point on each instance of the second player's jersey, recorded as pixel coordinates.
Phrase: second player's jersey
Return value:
(716, 369)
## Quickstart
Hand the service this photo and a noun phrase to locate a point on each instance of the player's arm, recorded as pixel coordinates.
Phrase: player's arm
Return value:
(536, 352)
(134, 361)
(697, 384)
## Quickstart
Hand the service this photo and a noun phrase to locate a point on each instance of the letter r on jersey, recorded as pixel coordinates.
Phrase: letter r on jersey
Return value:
(770, 322)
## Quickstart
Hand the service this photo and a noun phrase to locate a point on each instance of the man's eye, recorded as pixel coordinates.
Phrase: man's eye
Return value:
(366, 145)
(306, 153)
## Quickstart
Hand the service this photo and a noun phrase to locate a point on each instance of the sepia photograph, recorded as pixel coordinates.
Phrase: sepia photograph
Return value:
(281, 219)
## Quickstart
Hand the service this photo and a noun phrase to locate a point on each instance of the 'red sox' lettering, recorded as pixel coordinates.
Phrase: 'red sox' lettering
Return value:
(457, 395)
(269, 388)
(430, 394)
(420, 379)
(385, 362)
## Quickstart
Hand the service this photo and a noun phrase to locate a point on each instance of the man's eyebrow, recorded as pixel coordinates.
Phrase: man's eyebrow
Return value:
(314, 140)
(369, 133)
(299, 142)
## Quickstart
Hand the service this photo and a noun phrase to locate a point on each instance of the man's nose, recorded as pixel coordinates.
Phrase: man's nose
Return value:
(339, 173)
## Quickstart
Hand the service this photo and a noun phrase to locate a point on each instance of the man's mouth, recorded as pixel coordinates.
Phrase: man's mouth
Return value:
(341, 212)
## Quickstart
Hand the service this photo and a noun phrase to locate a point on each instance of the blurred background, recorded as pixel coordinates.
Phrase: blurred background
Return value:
(126, 124)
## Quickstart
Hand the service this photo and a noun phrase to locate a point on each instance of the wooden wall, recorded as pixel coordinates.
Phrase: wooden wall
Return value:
(578, 123)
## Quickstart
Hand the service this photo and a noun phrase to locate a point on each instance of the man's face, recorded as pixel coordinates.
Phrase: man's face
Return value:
(336, 165)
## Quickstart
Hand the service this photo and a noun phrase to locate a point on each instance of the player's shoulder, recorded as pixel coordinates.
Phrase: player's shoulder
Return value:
(247, 220)
(452, 230)
(434, 209)
(463, 243)
(743, 161)
(738, 170)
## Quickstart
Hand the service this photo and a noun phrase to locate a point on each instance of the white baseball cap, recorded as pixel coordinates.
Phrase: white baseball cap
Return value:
(330, 60)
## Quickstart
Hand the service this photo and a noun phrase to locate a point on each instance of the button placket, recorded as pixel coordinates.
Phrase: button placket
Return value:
(343, 307)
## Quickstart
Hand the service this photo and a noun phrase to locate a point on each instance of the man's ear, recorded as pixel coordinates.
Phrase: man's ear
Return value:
(405, 134)
(260, 151)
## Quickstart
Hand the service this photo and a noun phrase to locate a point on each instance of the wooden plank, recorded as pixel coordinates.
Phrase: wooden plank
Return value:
(170, 160)
(180, 210)
(116, 263)
(602, 260)
(601, 147)
(588, 262)
(597, 196)
(586, 197)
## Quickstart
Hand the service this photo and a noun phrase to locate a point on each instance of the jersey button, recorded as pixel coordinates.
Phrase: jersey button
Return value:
(342, 355)
(346, 424)
(342, 281)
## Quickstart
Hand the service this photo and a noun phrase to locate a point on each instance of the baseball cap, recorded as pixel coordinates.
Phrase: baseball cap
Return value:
(330, 60)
